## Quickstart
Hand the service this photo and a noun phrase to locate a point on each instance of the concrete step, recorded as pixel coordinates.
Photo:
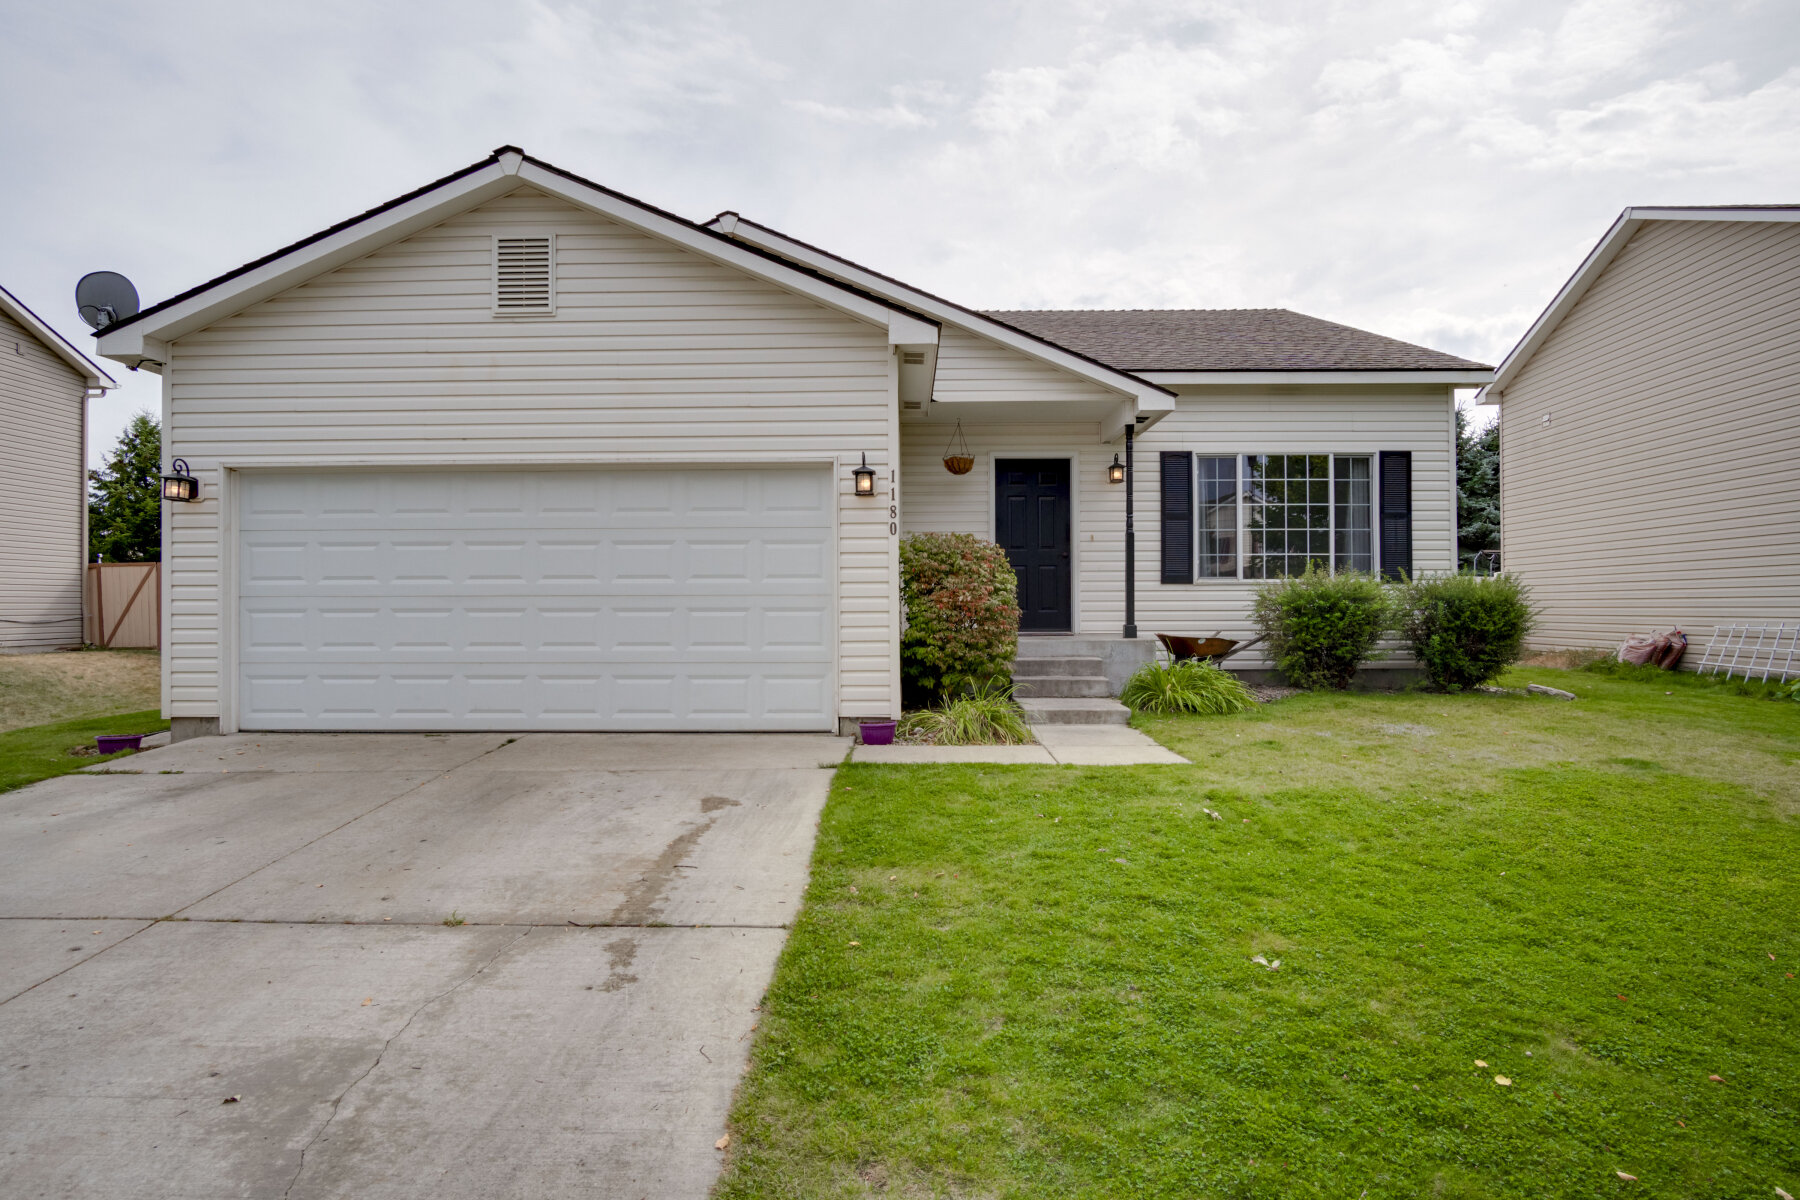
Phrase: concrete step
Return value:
(1066, 686)
(1060, 645)
(1026, 668)
(1072, 711)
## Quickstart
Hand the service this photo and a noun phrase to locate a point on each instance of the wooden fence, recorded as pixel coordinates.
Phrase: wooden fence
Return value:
(124, 605)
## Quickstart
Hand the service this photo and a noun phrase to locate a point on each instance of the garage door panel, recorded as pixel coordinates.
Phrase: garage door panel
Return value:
(272, 564)
(598, 599)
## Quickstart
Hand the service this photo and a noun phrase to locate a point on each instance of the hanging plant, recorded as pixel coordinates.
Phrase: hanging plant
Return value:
(957, 459)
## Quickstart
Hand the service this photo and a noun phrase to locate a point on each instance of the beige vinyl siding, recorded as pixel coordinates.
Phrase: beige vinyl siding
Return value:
(1215, 421)
(972, 368)
(654, 354)
(42, 405)
(1664, 489)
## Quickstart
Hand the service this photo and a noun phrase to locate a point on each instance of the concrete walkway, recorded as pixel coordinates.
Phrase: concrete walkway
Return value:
(1073, 745)
(231, 974)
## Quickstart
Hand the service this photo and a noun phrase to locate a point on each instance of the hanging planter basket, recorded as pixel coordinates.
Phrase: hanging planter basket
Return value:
(957, 459)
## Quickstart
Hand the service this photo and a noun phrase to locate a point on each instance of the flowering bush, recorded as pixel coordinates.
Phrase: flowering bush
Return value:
(962, 612)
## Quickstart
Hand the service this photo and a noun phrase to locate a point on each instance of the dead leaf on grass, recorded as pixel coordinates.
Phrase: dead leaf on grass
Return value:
(1479, 1063)
(1715, 1079)
(1503, 1081)
(1783, 1195)
(1625, 1177)
(722, 1142)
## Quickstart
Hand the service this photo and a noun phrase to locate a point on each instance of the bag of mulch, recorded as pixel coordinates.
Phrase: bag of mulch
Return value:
(1674, 645)
(1656, 650)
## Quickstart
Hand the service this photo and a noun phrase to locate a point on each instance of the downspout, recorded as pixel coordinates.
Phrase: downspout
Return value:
(1131, 630)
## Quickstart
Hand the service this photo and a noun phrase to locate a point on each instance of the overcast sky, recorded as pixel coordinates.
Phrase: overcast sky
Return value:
(1432, 171)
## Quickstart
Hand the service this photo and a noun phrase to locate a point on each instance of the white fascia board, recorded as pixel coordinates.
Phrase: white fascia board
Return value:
(1629, 222)
(1135, 417)
(910, 331)
(53, 341)
(720, 249)
(128, 345)
(1788, 213)
(1239, 378)
(1598, 259)
(1134, 385)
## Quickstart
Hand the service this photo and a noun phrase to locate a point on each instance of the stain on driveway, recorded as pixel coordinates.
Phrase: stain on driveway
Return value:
(270, 924)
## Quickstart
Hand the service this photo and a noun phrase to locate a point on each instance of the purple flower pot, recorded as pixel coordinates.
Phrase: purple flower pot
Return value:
(877, 733)
(112, 743)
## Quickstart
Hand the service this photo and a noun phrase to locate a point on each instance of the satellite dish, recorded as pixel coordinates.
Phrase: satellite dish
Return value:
(104, 297)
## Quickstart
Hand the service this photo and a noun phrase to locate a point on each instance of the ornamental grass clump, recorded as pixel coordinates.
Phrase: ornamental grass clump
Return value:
(985, 715)
(1193, 686)
(1464, 630)
(962, 613)
(1321, 627)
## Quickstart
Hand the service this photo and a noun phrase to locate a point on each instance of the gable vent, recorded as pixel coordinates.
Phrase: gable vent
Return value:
(524, 275)
(913, 358)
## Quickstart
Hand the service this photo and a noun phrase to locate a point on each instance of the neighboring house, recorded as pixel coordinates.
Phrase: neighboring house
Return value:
(45, 384)
(516, 451)
(1650, 432)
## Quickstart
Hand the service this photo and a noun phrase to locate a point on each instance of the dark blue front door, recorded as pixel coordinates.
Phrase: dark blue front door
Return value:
(1031, 523)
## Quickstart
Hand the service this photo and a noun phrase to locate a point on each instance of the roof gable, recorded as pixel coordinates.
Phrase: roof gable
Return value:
(1601, 257)
(144, 338)
(53, 341)
(982, 324)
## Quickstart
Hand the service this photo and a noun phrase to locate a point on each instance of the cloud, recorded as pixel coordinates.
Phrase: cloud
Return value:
(1429, 170)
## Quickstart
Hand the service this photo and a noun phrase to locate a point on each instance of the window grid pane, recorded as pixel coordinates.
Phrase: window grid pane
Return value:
(1354, 495)
(1287, 514)
(1217, 505)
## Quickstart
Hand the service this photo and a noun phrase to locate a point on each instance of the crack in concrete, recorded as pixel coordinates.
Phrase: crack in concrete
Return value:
(300, 1169)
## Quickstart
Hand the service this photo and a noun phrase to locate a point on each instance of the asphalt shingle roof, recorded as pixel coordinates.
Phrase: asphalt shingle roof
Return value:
(1225, 339)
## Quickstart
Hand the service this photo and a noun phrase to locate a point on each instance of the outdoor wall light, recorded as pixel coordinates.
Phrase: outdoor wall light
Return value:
(1116, 472)
(865, 477)
(180, 485)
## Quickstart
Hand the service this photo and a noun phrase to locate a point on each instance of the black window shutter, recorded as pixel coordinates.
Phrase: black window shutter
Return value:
(1396, 514)
(1177, 516)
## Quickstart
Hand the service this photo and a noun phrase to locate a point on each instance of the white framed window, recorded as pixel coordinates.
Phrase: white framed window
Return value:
(525, 275)
(1267, 516)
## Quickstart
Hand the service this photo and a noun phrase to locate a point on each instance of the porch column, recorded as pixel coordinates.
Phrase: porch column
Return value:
(1130, 542)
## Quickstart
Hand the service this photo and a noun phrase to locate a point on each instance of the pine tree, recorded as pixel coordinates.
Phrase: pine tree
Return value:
(125, 497)
(1477, 490)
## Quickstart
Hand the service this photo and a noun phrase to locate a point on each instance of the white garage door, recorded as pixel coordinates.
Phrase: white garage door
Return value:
(616, 598)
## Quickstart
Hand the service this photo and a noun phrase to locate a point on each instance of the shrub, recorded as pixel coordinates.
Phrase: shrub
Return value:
(962, 612)
(986, 715)
(1321, 627)
(1465, 630)
(1185, 687)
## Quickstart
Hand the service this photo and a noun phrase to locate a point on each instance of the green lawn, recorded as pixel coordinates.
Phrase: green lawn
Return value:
(42, 751)
(1033, 981)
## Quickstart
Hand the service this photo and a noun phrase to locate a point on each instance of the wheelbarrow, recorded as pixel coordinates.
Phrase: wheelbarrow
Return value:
(1182, 648)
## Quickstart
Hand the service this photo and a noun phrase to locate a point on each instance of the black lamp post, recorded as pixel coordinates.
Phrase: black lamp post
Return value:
(1130, 542)
(180, 485)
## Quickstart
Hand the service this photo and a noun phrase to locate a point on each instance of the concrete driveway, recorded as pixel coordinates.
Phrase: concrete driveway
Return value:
(230, 974)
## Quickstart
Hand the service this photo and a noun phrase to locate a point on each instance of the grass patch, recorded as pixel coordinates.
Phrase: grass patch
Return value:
(1032, 981)
(39, 689)
(42, 752)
